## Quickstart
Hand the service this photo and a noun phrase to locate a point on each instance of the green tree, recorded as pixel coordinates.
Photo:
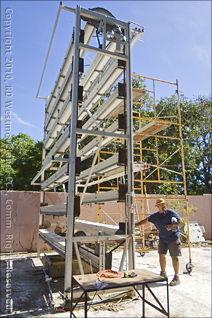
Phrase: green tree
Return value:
(197, 137)
(20, 161)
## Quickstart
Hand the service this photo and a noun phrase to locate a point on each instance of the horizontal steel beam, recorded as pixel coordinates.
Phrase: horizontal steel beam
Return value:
(102, 133)
(90, 48)
(101, 197)
(94, 228)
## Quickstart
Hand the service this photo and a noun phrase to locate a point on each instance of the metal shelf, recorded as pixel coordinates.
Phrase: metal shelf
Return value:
(91, 148)
(111, 108)
(67, 61)
(94, 228)
(56, 209)
(58, 178)
(56, 242)
(105, 81)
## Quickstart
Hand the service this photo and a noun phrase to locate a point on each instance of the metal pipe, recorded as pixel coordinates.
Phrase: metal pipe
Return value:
(130, 197)
(151, 78)
(103, 300)
(48, 279)
(50, 45)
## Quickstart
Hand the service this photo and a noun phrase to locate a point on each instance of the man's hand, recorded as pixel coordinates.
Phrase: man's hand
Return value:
(169, 227)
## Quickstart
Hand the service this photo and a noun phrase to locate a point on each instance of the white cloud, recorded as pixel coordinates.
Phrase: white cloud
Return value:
(202, 54)
(21, 121)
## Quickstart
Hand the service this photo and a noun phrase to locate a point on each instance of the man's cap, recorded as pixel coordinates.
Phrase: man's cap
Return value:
(158, 201)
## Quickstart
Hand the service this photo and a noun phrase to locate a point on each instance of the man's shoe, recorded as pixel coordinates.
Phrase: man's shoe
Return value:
(163, 274)
(175, 281)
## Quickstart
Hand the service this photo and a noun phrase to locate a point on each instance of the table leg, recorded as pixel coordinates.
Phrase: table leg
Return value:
(143, 311)
(167, 297)
(86, 305)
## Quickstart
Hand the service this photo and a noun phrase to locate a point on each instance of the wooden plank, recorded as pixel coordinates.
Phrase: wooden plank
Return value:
(91, 282)
(152, 128)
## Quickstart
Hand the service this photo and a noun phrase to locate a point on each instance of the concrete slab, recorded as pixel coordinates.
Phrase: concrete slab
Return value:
(192, 298)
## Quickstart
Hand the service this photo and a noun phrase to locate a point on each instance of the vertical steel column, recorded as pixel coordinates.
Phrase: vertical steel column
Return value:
(142, 185)
(42, 193)
(102, 249)
(156, 139)
(130, 196)
(183, 170)
(72, 157)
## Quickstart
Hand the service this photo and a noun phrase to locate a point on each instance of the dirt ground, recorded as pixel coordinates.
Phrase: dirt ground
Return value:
(25, 293)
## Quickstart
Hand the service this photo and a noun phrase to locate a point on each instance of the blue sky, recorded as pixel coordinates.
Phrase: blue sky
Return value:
(176, 44)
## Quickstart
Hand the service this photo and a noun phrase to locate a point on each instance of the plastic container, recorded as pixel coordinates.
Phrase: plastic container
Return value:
(174, 221)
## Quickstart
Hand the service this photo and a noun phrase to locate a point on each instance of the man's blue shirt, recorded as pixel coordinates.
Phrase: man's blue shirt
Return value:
(160, 220)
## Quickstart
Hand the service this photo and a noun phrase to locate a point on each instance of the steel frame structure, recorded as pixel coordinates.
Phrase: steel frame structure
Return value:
(82, 116)
(77, 99)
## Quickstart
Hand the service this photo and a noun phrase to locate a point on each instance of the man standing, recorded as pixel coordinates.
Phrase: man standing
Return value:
(167, 223)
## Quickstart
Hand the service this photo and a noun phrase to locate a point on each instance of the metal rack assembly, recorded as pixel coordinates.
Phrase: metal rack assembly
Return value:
(83, 114)
(95, 135)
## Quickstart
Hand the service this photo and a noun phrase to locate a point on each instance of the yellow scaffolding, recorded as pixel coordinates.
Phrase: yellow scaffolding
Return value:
(159, 121)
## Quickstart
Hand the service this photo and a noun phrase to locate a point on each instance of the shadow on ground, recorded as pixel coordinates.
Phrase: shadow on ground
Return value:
(24, 292)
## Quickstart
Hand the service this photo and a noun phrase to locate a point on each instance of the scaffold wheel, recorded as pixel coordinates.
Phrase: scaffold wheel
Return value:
(189, 267)
(142, 254)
